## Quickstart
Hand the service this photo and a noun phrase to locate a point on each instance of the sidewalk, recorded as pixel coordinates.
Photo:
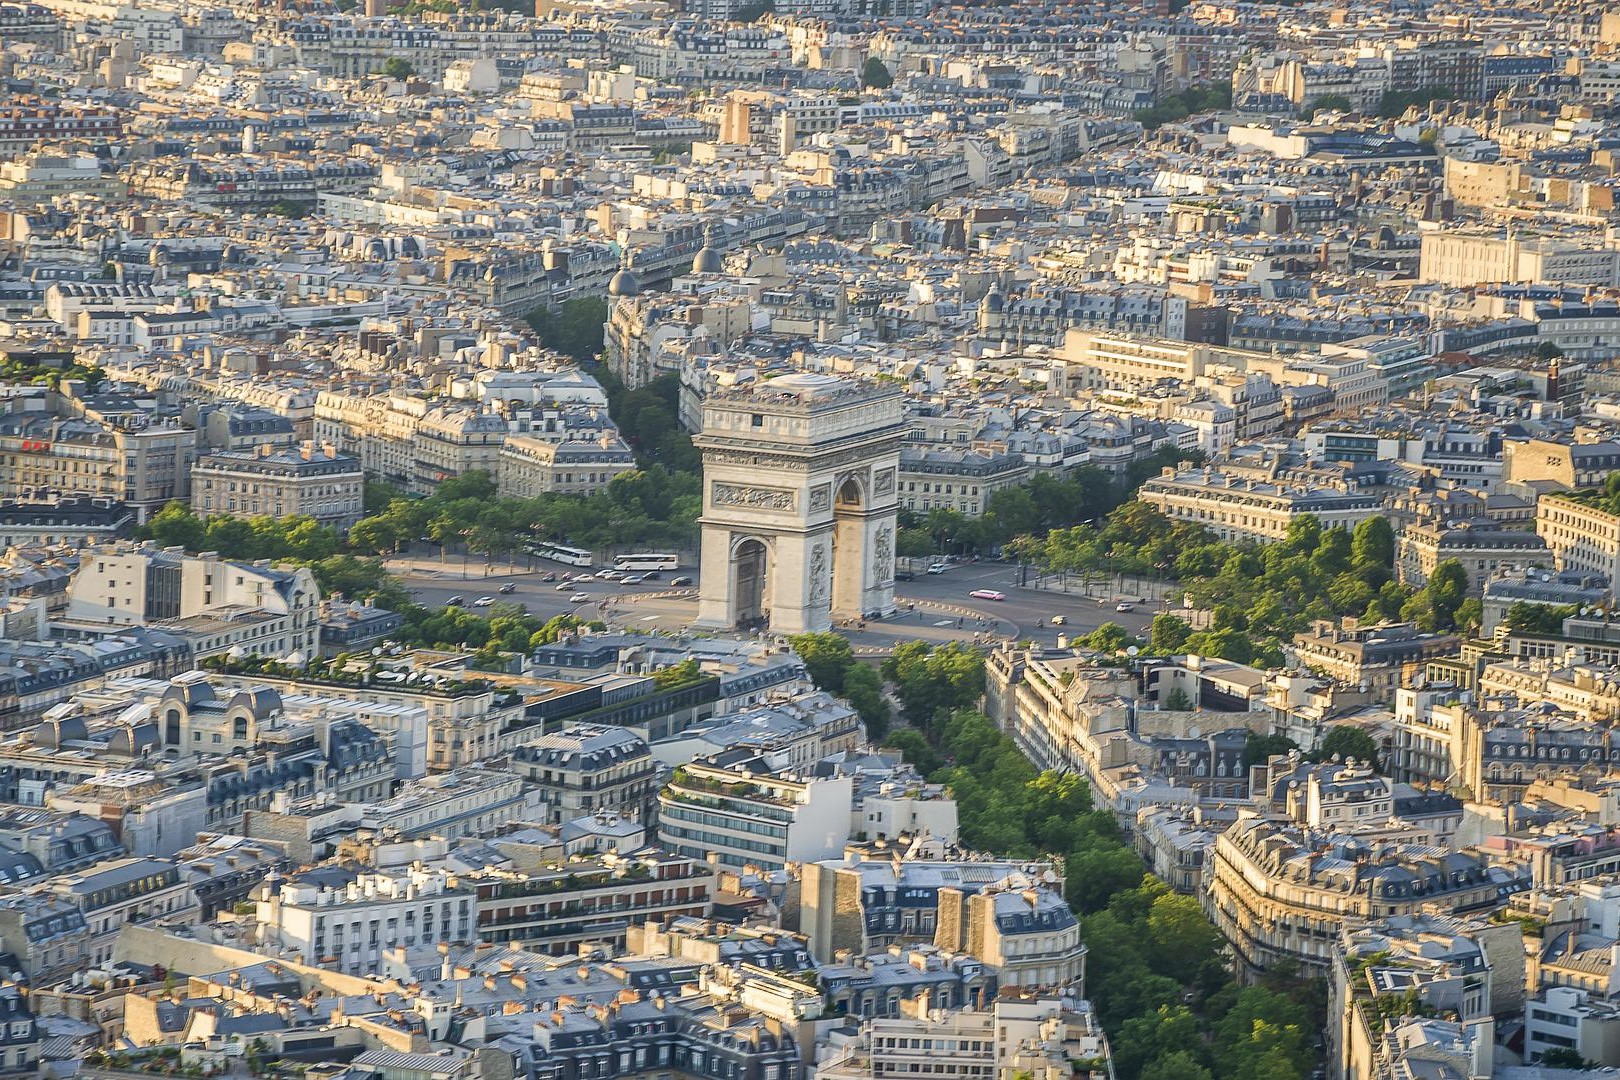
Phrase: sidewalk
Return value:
(672, 613)
(456, 567)
(1104, 588)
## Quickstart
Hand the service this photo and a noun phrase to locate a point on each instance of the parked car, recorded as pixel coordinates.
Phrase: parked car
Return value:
(579, 598)
(455, 601)
(987, 594)
(508, 589)
(484, 601)
(682, 580)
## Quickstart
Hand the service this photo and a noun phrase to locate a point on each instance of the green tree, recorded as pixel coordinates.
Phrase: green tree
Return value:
(1196, 99)
(1372, 544)
(1328, 103)
(1393, 103)
(1562, 1057)
(1168, 635)
(1177, 700)
(1108, 638)
(1230, 645)
(931, 679)
(1538, 618)
(875, 74)
(1257, 749)
(575, 327)
(863, 689)
(1345, 742)
(1012, 512)
(176, 526)
(1097, 873)
(1180, 937)
(827, 657)
(1447, 589)
(913, 746)
(379, 496)
(1167, 1032)
(397, 67)
(1176, 1065)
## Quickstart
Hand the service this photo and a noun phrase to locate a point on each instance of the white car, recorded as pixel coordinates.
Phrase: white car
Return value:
(484, 601)
(937, 568)
(632, 579)
(579, 598)
(1126, 606)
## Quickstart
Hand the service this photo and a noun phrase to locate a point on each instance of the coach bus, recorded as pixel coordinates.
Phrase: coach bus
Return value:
(644, 561)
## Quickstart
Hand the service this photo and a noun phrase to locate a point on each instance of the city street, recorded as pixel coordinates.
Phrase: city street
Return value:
(941, 600)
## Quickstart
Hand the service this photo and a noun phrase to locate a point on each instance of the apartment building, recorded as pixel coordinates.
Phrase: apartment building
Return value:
(45, 933)
(453, 442)
(587, 769)
(215, 604)
(1482, 549)
(74, 520)
(268, 481)
(732, 809)
(1583, 463)
(145, 467)
(530, 466)
(1469, 259)
(1567, 1018)
(1580, 535)
(344, 919)
(1018, 1034)
(25, 126)
(590, 900)
(956, 479)
(1378, 658)
(1021, 931)
(1461, 967)
(1236, 506)
(469, 802)
(861, 903)
(1279, 892)
(407, 440)
(1095, 361)
(135, 890)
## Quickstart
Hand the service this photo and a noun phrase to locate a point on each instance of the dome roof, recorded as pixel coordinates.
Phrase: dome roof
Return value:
(707, 261)
(624, 283)
(994, 301)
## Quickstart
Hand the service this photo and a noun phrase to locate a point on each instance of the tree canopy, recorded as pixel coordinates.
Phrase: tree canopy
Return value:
(1260, 595)
(1206, 97)
(875, 74)
(1345, 742)
(574, 327)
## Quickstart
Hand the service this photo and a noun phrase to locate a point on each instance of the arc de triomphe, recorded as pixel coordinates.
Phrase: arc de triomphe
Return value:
(800, 475)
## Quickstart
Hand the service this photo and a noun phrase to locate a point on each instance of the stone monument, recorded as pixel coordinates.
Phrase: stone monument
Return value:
(800, 475)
